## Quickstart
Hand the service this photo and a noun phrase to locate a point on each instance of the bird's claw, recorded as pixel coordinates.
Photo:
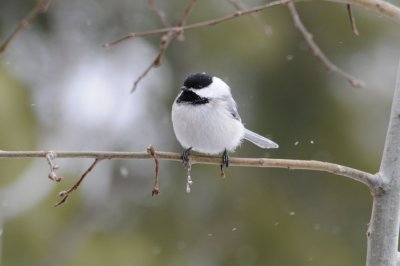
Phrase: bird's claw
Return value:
(185, 156)
(225, 162)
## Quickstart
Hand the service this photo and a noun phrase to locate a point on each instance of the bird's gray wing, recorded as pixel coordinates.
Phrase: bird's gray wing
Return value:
(251, 136)
(231, 107)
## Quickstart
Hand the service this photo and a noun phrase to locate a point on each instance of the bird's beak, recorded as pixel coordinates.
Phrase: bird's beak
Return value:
(183, 88)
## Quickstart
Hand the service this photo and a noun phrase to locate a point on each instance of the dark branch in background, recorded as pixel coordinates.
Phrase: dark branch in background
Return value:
(171, 33)
(165, 39)
(186, 12)
(211, 22)
(161, 14)
(352, 20)
(65, 194)
(317, 51)
(240, 7)
(41, 7)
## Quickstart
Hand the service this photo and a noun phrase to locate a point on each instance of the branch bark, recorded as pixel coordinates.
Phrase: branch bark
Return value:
(41, 6)
(379, 6)
(383, 231)
(372, 181)
(356, 83)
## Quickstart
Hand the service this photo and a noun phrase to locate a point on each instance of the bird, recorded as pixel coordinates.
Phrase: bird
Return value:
(205, 119)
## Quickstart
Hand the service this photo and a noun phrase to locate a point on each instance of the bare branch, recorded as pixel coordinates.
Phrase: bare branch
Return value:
(65, 194)
(352, 20)
(317, 51)
(240, 7)
(161, 14)
(211, 22)
(152, 152)
(368, 179)
(186, 12)
(154, 63)
(398, 259)
(379, 6)
(41, 7)
(53, 166)
(383, 231)
(165, 41)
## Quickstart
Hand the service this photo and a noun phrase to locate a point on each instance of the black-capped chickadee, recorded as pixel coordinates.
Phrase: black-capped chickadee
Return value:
(206, 120)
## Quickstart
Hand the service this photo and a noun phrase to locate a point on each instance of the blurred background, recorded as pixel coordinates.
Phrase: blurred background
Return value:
(61, 90)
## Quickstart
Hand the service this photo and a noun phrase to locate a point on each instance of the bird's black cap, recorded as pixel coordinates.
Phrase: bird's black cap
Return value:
(197, 81)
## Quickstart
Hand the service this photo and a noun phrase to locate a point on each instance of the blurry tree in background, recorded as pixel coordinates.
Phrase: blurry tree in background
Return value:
(61, 90)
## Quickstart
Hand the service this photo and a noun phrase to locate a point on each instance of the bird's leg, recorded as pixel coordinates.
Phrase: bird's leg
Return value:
(225, 162)
(185, 156)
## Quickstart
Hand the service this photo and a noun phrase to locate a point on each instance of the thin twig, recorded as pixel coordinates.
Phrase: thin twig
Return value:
(366, 178)
(146, 71)
(41, 7)
(186, 12)
(176, 31)
(165, 41)
(163, 44)
(53, 166)
(352, 20)
(65, 194)
(240, 7)
(152, 152)
(379, 6)
(161, 14)
(318, 52)
(211, 22)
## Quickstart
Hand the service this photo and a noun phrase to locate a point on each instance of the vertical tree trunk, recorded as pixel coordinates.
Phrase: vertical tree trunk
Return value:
(383, 231)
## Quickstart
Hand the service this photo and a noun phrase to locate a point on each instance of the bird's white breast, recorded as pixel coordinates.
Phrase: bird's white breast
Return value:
(208, 128)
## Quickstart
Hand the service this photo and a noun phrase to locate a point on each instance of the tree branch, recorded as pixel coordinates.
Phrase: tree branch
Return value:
(186, 12)
(152, 152)
(398, 258)
(171, 33)
(211, 22)
(379, 6)
(65, 194)
(238, 5)
(318, 52)
(372, 181)
(352, 20)
(163, 18)
(41, 7)
(383, 231)
(165, 40)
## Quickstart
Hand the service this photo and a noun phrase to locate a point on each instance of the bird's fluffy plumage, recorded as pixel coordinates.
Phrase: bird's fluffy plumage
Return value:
(205, 117)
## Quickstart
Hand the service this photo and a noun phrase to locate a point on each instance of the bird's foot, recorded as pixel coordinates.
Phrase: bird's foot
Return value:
(185, 156)
(225, 163)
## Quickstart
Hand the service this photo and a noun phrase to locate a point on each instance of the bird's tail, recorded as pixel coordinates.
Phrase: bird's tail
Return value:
(259, 140)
